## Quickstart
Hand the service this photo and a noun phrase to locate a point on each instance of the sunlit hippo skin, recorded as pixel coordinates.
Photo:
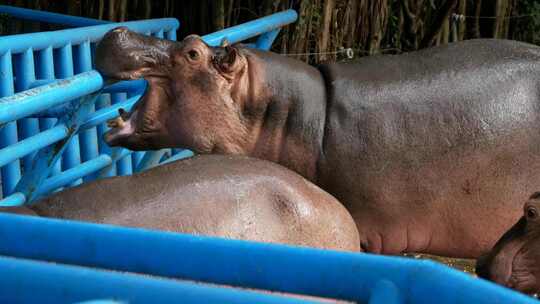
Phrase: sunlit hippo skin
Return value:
(514, 261)
(225, 196)
(417, 146)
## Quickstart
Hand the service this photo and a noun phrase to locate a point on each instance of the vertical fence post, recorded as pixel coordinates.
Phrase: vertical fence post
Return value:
(25, 76)
(264, 42)
(136, 156)
(64, 68)
(8, 133)
(171, 35)
(87, 138)
(45, 71)
(102, 102)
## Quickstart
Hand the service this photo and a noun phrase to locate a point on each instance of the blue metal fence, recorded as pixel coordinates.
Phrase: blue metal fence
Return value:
(364, 278)
(42, 112)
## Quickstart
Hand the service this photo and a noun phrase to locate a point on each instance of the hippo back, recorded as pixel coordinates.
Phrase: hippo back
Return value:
(227, 196)
(435, 138)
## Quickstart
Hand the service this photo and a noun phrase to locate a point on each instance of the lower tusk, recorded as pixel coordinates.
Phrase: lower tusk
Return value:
(119, 122)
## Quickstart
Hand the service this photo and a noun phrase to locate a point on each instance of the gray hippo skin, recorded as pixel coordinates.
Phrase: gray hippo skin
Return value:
(225, 196)
(418, 147)
(514, 261)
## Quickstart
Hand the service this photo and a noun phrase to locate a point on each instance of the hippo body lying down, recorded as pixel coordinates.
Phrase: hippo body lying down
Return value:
(514, 261)
(225, 196)
(418, 146)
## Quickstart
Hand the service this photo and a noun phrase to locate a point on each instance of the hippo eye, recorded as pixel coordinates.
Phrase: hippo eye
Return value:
(531, 213)
(194, 55)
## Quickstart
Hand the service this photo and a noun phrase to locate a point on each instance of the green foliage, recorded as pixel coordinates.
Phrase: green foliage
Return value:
(533, 8)
(527, 23)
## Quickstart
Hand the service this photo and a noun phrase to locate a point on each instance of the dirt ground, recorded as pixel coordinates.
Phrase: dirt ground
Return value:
(465, 265)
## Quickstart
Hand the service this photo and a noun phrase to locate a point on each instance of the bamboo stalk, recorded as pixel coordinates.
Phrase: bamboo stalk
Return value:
(324, 35)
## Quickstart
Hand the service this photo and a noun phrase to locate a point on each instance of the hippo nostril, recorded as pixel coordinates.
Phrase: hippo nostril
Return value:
(482, 269)
(364, 246)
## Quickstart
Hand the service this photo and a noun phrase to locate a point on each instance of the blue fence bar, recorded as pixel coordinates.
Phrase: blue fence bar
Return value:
(39, 41)
(130, 86)
(136, 157)
(48, 17)
(123, 166)
(33, 143)
(64, 69)
(45, 72)
(103, 106)
(116, 155)
(26, 281)
(39, 99)
(265, 41)
(66, 177)
(179, 155)
(298, 270)
(149, 159)
(24, 71)
(252, 28)
(8, 129)
(88, 138)
(14, 199)
(108, 112)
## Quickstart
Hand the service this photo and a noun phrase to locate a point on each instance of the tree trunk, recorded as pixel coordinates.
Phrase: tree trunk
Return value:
(499, 23)
(476, 24)
(379, 13)
(325, 30)
(353, 4)
(219, 14)
(445, 33)
(437, 25)
(123, 7)
(147, 9)
(229, 13)
(461, 24)
(101, 8)
(112, 10)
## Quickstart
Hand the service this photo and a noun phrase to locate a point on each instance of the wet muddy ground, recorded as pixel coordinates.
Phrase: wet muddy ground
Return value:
(465, 265)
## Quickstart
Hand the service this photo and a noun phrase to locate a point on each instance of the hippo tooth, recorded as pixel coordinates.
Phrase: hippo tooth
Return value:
(119, 122)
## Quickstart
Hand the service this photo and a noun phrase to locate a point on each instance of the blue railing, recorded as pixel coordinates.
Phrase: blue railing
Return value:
(42, 73)
(364, 278)
(63, 58)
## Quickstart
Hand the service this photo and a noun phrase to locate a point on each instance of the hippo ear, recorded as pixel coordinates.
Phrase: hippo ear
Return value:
(227, 61)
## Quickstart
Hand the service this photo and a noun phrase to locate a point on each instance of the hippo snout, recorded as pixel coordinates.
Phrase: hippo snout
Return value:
(124, 54)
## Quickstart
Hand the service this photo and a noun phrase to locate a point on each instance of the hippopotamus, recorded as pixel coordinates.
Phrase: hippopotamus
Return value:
(514, 261)
(232, 197)
(417, 146)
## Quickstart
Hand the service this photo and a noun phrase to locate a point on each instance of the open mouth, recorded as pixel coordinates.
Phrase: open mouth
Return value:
(132, 124)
